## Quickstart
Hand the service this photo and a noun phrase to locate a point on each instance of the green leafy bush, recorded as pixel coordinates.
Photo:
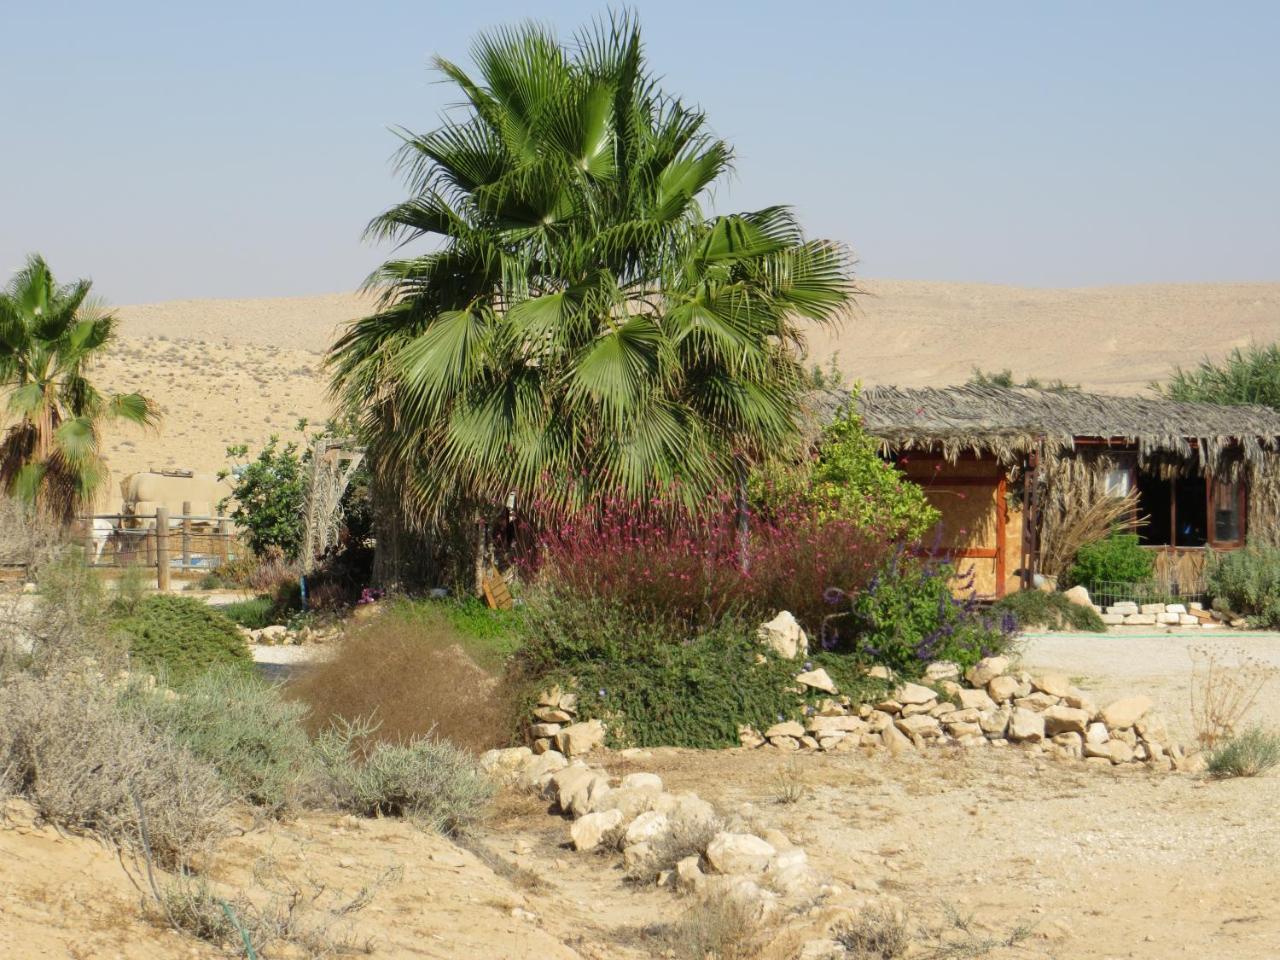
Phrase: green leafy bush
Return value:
(179, 637)
(659, 684)
(269, 493)
(252, 614)
(849, 480)
(1248, 582)
(240, 724)
(1247, 754)
(424, 779)
(1117, 559)
(1050, 611)
(1245, 376)
(917, 610)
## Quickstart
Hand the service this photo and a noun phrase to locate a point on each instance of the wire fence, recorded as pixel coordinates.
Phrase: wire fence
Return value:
(181, 543)
(1108, 593)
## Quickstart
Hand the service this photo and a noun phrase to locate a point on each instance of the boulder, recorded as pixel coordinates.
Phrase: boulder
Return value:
(1178, 608)
(1151, 608)
(1112, 619)
(647, 827)
(589, 796)
(739, 853)
(962, 730)
(580, 738)
(785, 743)
(986, 670)
(1026, 725)
(1059, 720)
(1126, 712)
(630, 802)
(1169, 619)
(1124, 609)
(637, 856)
(553, 715)
(1078, 595)
(914, 693)
(641, 781)
(788, 728)
(1036, 701)
(1097, 733)
(894, 741)
(960, 716)
(588, 831)
(975, 700)
(1140, 620)
(827, 726)
(749, 737)
(544, 730)
(784, 636)
(568, 781)
(919, 726)
(540, 769)
(1151, 727)
(505, 765)
(817, 680)
(941, 670)
(1054, 684)
(1002, 688)
(994, 723)
(689, 871)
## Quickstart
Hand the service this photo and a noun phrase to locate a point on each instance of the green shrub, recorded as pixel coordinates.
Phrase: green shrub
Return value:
(179, 637)
(239, 723)
(424, 779)
(269, 493)
(251, 614)
(657, 684)
(1248, 582)
(1050, 611)
(910, 615)
(1247, 754)
(1117, 559)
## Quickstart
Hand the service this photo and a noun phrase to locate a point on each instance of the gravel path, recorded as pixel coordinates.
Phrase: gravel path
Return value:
(1160, 665)
(280, 662)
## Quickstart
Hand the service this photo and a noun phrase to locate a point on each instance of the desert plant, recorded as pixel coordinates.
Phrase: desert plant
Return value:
(719, 927)
(579, 327)
(86, 764)
(408, 669)
(242, 726)
(252, 614)
(50, 336)
(26, 537)
(1116, 559)
(686, 837)
(1081, 525)
(178, 637)
(876, 934)
(1225, 684)
(1246, 376)
(1005, 378)
(424, 779)
(1049, 611)
(790, 785)
(269, 494)
(1247, 582)
(1248, 754)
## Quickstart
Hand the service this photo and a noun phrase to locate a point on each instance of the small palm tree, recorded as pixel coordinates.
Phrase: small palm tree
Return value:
(582, 328)
(49, 335)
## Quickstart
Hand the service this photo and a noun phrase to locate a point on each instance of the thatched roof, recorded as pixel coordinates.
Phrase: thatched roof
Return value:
(1007, 421)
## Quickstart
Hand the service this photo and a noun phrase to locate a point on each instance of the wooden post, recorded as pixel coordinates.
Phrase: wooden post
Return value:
(162, 549)
(186, 535)
(224, 540)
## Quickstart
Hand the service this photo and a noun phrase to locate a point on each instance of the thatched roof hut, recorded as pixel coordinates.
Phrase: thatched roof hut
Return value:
(1010, 421)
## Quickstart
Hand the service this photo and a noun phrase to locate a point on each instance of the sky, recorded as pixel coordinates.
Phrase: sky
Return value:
(180, 150)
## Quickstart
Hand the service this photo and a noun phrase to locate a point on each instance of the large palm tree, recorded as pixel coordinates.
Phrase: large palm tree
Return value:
(49, 336)
(580, 326)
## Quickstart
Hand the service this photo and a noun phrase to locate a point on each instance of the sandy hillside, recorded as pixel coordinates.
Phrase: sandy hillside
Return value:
(230, 371)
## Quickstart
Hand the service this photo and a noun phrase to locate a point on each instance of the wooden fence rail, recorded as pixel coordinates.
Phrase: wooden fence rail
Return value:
(185, 542)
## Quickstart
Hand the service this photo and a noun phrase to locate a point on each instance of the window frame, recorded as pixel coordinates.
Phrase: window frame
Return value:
(1242, 504)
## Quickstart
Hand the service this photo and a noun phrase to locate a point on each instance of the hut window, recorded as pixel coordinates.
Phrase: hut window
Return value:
(1177, 511)
(1118, 481)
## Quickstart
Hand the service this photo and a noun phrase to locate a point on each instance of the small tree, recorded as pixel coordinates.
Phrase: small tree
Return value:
(270, 496)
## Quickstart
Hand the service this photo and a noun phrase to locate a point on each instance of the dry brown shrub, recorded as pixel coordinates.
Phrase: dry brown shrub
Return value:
(1082, 524)
(1225, 684)
(413, 679)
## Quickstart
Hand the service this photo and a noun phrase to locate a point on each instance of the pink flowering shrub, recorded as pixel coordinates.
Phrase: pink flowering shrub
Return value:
(663, 564)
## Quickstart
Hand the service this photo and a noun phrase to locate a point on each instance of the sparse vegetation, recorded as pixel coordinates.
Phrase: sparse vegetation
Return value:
(424, 779)
(1248, 754)
(177, 637)
(687, 837)
(719, 928)
(1225, 684)
(1246, 376)
(880, 934)
(251, 614)
(1049, 611)
(1247, 582)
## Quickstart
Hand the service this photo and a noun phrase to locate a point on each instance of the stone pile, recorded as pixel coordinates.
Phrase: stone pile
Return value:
(651, 827)
(279, 635)
(555, 725)
(1131, 614)
(988, 706)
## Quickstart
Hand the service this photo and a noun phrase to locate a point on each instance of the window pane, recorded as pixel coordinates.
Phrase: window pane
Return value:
(1226, 512)
(1119, 481)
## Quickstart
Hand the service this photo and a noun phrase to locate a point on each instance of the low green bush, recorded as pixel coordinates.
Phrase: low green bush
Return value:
(658, 684)
(1248, 582)
(1049, 611)
(252, 614)
(1117, 559)
(241, 725)
(1247, 754)
(424, 779)
(178, 637)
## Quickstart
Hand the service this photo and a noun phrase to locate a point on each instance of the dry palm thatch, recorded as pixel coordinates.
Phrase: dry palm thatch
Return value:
(1065, 533)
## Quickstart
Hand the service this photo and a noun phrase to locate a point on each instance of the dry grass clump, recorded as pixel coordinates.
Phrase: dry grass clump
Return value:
(720, 928)
(26, 538)
(1225, 684)
(877, 934)
(1082, 524)
(687, 837)
(84, 764)
(414, 678)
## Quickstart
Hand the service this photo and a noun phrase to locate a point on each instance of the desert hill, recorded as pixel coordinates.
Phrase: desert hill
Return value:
(230, 371)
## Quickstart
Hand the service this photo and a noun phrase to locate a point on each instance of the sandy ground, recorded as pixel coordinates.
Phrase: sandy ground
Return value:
(1080, 863)
(236, 371)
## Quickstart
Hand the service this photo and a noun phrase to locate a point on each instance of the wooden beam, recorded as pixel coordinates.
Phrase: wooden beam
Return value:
(1001, 520)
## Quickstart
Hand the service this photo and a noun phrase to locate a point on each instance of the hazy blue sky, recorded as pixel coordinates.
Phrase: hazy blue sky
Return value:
(174, 149)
